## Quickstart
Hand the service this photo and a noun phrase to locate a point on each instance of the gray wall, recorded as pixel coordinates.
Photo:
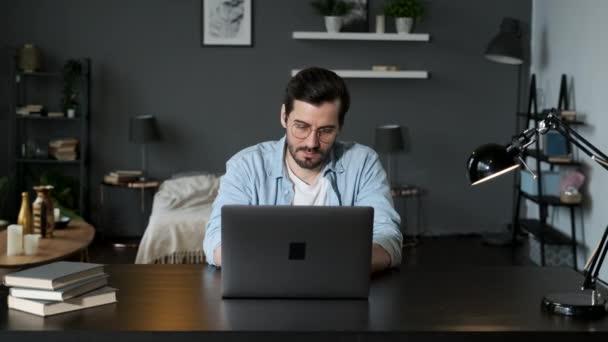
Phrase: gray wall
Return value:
(213, 101)
(561, 46)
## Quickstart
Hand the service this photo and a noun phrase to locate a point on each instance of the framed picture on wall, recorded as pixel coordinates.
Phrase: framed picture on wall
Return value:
(357, 19)
(226, 22)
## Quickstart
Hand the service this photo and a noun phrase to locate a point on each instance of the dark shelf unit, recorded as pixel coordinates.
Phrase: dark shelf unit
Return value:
(544, 158)
(22, 125)
(539, 228)
(46, 161)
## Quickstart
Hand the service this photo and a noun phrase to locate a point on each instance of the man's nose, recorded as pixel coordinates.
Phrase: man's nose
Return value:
(312, 140)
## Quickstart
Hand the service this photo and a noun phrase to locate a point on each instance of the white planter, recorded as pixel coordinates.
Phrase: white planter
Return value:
(71, 112)
(333, 24)
(404, 25)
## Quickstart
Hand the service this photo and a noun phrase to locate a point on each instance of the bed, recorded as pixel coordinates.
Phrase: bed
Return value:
(176, 228)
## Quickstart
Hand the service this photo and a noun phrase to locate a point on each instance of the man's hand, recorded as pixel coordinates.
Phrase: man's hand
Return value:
(380, 258)
(217, 256)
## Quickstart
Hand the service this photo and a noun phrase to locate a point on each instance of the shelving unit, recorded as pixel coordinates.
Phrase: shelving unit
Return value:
(411, 74)
(539, 228)
(411, 37)
(30, 88)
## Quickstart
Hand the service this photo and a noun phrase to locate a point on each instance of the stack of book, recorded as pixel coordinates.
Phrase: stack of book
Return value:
(122, 176)
(59, 287)
(63, 149)
(30, 109)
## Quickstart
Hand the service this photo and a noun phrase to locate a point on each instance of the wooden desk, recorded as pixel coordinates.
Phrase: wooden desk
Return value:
(73, 239)
(183, 303)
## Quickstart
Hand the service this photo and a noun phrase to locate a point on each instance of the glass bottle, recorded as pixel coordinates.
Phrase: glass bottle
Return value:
(25, 214)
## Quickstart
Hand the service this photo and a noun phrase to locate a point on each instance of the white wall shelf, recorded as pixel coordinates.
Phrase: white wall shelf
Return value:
(412, 74)
(414, 37)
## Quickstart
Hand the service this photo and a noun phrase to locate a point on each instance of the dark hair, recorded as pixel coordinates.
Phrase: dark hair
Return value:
(315, 86)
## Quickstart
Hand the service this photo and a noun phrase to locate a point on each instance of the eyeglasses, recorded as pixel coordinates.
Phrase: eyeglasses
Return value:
(302, 131)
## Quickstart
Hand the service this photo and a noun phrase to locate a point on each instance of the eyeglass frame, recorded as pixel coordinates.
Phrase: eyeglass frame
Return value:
(318, 131)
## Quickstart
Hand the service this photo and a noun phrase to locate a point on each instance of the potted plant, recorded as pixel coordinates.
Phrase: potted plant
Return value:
(405, 13)
(333, 11)
(72, 71)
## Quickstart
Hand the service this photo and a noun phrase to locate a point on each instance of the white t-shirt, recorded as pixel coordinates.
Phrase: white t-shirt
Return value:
(309, 194)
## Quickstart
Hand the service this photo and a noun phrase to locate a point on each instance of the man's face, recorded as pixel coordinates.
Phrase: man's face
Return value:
(322, 123)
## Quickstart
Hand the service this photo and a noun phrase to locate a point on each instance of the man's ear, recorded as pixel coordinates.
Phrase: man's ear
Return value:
(283, 116)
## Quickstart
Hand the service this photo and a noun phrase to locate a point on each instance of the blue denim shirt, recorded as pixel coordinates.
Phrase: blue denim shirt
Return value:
(257, 176)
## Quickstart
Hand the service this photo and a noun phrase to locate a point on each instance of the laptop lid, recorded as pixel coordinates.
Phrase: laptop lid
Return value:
(296, 251)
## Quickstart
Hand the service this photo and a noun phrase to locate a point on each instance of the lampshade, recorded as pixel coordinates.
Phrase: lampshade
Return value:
(506, 46)
(489, 161)
(143, 129)
(388, 138)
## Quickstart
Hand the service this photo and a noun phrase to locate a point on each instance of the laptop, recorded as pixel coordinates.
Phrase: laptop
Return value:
(296, 251)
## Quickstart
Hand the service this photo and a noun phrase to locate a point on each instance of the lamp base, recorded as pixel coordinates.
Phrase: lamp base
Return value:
(582, 303)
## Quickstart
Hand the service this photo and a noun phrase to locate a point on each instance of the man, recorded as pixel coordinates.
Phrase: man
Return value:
(309, 166)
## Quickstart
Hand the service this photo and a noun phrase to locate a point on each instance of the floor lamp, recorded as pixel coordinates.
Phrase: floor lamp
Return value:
(143, 130)
(388, 140)
(506, 48)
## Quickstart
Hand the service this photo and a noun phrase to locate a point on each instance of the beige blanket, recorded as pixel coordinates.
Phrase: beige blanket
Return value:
(176, 229)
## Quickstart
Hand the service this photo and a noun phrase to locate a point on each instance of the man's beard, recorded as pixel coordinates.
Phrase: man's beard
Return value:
(307, 163)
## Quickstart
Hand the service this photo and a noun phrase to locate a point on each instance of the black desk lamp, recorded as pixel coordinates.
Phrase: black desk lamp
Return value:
(143, 130)
(492, 160)
(389, 140)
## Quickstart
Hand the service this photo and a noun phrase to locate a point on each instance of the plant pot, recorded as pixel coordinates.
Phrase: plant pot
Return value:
(333, 24)
(71, 112)
(404, 25)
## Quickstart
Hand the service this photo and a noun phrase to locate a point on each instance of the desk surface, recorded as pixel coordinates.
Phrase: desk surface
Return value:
(411, 302)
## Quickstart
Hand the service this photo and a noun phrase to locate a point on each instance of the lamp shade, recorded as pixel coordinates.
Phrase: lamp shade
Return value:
(490, 161)
(388, 138)
(506, 46)
(143, 129)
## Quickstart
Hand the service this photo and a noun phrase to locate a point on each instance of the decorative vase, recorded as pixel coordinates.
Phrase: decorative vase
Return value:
(25, 214)
(404, 25)
(333, 24)
(29, 58)
(44, 216)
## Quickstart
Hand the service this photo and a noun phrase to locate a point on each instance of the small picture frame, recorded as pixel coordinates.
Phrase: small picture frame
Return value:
(227, 22)
(357, 20)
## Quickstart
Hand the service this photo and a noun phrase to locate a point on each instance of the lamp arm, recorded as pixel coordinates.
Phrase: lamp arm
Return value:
(593, 269)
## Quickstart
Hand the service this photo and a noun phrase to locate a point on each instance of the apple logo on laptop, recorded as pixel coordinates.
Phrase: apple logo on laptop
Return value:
(297, 251)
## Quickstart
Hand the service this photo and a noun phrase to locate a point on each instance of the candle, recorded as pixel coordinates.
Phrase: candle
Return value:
(14, 240)
(379, 24)
(57, 213)
(30, 243)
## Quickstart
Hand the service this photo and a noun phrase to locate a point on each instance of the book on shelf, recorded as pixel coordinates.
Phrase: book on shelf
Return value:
(55, 114)
(54, 276)
(102, 296)
(64, 142)
(560, 159)
(62, 294)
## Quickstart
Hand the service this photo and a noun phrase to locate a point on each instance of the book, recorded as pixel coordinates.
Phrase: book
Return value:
(148, 184)
(105, 295)
(127, 173)
(62, 294)
(54, 276)
(63, 142)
